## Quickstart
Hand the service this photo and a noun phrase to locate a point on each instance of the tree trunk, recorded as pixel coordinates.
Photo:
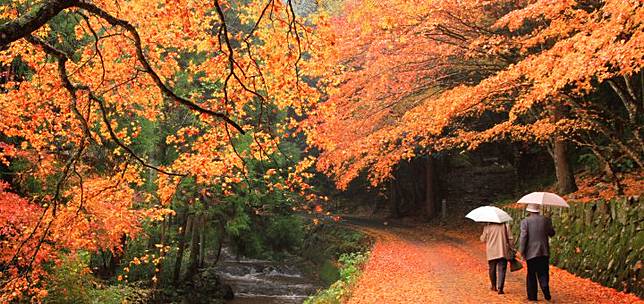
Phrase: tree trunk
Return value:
(202, 242)
(419, 195)
(565, 176)
(193, 261)
(608, 169)
(393, 198)
(158, 267)
(220, 239)
(182, 244)
(112, 260)
(430, 190)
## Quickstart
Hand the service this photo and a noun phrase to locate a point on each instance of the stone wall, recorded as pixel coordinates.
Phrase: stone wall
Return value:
(603, 241)
(465, 187)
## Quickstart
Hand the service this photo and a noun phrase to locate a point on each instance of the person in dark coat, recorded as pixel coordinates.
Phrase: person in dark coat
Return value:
(536, 230)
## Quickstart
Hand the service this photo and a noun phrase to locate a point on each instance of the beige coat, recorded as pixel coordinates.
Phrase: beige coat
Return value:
(497, 240)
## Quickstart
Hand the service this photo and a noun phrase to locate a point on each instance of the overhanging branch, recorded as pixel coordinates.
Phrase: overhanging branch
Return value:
(148, 68)
(62, 58)
(26, 24)
(23, 26)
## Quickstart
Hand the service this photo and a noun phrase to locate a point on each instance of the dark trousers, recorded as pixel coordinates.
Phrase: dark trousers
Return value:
(500, 265)
(538, 271)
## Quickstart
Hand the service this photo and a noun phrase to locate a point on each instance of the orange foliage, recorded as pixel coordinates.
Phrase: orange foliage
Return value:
(33, 235)
(408, 78)
(90, 96)
(592, 188)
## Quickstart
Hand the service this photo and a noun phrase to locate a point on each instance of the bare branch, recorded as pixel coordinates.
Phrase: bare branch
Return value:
(631, 107)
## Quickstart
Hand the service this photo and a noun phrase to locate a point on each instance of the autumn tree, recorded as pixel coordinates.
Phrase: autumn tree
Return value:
(84, 81)
(410, 79)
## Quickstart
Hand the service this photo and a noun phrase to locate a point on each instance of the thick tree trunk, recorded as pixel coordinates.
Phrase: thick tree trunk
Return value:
(565, 176)
(430, 187)
(182, 244)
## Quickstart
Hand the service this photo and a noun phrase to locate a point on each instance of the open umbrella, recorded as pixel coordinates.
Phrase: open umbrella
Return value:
(544, 198)
(489, 214)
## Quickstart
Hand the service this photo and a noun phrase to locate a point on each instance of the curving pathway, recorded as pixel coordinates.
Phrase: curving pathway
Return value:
(432, 264)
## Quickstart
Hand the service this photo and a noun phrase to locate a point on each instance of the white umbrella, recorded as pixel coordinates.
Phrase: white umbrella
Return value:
(489, 214)
(544, 198)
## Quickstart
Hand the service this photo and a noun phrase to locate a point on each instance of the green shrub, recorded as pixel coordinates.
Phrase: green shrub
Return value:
(330, 241)
(329, 272)
(113, 294)
(72, 282)
(350, 270)
(285, 232)
(267, 237)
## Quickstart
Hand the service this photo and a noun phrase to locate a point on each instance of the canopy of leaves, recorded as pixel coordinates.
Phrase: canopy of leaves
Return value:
(414, 78)
(108, 106)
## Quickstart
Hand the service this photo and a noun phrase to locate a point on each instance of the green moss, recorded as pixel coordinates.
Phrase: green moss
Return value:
(329, 272)
(603, 241)
(338, 292)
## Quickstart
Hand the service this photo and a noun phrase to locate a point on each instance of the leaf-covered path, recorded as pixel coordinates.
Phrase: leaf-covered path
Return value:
(428, 264)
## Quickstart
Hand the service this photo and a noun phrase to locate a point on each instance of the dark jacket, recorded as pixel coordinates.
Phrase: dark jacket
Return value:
(535, 231)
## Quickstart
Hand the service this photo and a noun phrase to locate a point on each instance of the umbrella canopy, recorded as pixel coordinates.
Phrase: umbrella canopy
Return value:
(489, 214)
(544, 198)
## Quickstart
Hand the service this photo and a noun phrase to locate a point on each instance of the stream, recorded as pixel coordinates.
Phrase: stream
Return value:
(259, 281)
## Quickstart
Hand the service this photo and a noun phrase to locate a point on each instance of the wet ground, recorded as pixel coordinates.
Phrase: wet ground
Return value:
(423, 263)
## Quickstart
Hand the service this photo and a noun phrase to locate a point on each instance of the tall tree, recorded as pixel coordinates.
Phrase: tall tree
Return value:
(411, 78)
(95, 73)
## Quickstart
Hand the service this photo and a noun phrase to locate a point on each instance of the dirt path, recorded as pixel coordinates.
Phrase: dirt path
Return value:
(425, 264)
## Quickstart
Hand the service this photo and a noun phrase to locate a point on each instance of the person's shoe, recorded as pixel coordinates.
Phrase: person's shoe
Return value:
(493, 288)
(501, 291)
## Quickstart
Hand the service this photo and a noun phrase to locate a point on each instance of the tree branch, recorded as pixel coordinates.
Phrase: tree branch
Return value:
(24, 25)
(148, 68)
(630, 106)
(106, 120)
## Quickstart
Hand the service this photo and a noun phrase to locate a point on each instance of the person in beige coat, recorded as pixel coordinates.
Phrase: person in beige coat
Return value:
(498, 241)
